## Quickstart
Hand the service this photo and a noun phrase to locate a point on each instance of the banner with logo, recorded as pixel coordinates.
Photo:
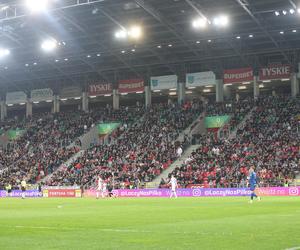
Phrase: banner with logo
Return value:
(100, 89)
(41, 95)
(14, 134)
(18, 193)
(200, 79)
(131, 86)
(238, 75)
(164, 82)
(208, 192)
(70, 92)
(107, 128)
(216, 121)
(76, 193)
(16, 97)
(273, 72)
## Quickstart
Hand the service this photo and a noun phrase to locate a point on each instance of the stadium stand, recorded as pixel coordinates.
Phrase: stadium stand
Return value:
(269, 140)
(140, 154)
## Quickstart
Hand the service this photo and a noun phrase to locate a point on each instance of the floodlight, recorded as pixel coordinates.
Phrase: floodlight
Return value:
(199, 23)
(221, 21)
(121, 34)
(277, 13)
(135, 32)
(292, 11)
(284, 12)
(49, 45)
(4, 52)
(36, 6)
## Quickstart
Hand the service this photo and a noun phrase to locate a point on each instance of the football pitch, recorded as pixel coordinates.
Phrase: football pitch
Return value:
(150, 223)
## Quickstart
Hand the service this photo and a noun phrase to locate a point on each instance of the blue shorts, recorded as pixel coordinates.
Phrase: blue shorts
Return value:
(253, 187)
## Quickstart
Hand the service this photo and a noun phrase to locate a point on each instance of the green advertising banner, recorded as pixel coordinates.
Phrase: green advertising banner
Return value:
(216, 121)
(14, 134)
(107, 128)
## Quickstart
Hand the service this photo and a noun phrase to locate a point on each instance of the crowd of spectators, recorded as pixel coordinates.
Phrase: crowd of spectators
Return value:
(140, 153)
(269, 140)
(44, 145)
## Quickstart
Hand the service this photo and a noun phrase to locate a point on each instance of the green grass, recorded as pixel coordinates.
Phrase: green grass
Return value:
(183, 223)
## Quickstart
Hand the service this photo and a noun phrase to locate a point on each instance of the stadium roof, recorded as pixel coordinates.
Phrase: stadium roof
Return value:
(89, 51)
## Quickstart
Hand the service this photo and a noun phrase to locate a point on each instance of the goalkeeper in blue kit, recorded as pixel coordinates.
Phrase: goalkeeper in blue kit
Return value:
(253, 184)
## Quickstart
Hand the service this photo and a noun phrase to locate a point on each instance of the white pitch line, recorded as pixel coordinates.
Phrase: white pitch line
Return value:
(293, 248)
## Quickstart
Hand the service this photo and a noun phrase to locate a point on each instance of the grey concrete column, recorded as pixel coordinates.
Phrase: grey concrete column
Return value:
(3, 110)
(28, 108)
(148, 99)
(85, 102)
(116, 99)
(255, 87)
(56, 104)
(181, 92)
(219, 91)
(294, 84)
(227, 92)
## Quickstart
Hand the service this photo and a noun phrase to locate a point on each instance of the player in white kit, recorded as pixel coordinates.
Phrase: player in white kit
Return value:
(99, 187)
(174, 185)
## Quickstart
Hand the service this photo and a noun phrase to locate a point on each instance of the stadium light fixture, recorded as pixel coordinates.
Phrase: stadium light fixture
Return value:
(123, 51)
(292, 11)
(221, 21)
(281, 32)
(88, 56)
(121, 34)
(200, 23)
(4, 52)
(170, 45)
(37, 6)
(133, 50)
(56, 60)
(277, 13)
(298, 10)
(209, 41)
(49, 45)
(250, 36)
(159, 46)
(26, 64)
(35, 63)
(4, 8)
(294, 31)
(98, 54)
(284, 12)
(135, 32)
(66, 59)
(197, 42)
(238, 37)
